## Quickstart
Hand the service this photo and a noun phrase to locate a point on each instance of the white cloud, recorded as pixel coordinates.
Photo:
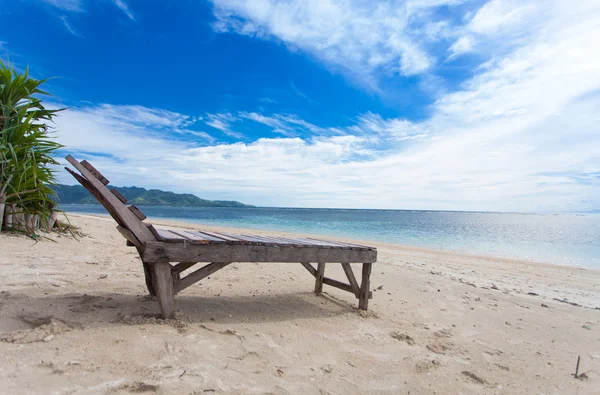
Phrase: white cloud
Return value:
(362, 39)
(68, 26)
(67, 5)
(124, 7)
(288, 125)
(522, 135)
(223, 122)
(500, 25)
(463, 45)
(78, 6)
(126, 131)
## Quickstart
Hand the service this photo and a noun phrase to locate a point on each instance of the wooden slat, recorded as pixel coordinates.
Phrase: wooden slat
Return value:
(310, 242)
(270, 240)
(167, 236)
(94, 172)
(239, 239)
(224, 236)
(129, 236)
(130, 221)
(350, 274)
(347, 244)
(310, 268)
(87, 185)
(336, 243)
(338, 284)
(191, 237)
(203, 236)
(137, 212)
(199, 274)
(326, 243)
(116, 192)
(173, 252)
(314, 242)
(252, 239)
(283, 241)
(298, 242)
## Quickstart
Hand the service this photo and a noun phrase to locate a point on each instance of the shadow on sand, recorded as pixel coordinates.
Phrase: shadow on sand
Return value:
(19, 311)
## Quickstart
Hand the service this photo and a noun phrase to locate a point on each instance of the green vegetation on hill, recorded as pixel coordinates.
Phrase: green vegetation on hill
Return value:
(67, 194)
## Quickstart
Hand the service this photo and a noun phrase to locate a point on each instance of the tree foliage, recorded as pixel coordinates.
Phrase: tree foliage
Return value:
(26, 144)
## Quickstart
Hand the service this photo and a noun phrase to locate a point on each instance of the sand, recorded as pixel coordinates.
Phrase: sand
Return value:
(75, 319)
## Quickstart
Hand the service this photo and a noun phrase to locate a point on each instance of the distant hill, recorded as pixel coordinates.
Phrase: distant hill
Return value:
(67, 194)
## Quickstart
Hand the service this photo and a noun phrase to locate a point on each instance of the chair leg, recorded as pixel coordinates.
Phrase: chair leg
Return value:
(163, 284)
(363, 297)
(149, 278)
(319, 277)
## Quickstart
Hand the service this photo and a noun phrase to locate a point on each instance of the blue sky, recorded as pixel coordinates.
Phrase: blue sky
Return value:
(416, 104)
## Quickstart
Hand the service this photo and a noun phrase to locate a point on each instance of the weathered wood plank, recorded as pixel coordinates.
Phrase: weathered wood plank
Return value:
(87, 185)
(221, 236)
(253, 239)
(199, 274)
(262, 239)
(116, 192)
(130, 221)
(284, 241)
(278, 241)
(316, 242)
(350, 274)
(348, 244)
(334, 244)
(243, 240)
(129, 236)
(319, 277)
(163, 278)
(189, 236)
(363, 298)
(174, 252)
(137, 212)
(310, 268)
(167, 236)
(94, 172)
(338, 284)
(206, 237)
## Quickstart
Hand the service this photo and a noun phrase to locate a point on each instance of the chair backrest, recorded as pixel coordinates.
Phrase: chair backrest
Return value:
(128, 217)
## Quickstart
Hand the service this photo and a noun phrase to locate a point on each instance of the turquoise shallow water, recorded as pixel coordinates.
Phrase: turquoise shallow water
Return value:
(572, 239)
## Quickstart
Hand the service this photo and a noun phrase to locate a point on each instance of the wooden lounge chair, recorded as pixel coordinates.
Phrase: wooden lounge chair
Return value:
(158, 248)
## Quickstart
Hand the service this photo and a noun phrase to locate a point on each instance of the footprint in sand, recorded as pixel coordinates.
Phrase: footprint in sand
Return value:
(137, 387)
(438, 348)
(440, 345)
(472, 377)
(427, 366)
(403, 337)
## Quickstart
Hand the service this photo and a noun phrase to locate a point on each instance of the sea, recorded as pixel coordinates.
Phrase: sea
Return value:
(567, 239)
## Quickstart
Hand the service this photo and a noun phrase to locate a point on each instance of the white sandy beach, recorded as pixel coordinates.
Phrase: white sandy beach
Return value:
(75, 319)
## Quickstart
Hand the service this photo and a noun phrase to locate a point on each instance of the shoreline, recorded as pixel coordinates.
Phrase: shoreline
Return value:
(482, 271)
(182, 223)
